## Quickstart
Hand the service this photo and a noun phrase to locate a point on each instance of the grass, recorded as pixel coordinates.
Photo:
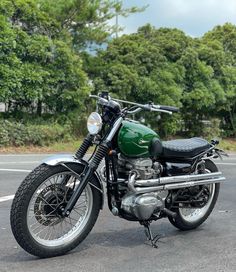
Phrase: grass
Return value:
(228, 144)
(72, 146)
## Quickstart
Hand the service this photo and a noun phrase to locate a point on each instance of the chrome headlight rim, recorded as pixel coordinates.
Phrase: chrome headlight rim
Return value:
(94, 123)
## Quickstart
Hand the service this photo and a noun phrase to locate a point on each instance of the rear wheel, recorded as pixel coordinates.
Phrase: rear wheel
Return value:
(36, 214)
(189, 217)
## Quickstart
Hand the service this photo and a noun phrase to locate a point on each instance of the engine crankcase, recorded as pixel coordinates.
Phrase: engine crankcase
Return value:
(142, 206)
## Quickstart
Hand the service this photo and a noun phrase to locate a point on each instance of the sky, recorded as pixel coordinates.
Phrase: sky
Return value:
(194, 17)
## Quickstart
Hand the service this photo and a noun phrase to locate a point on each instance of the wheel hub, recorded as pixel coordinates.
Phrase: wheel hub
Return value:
(50, 203)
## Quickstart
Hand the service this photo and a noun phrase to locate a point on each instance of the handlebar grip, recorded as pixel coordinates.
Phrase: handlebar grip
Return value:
(169, 108)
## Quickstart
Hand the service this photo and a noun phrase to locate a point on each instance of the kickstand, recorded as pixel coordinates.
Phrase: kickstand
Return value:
(149, 235)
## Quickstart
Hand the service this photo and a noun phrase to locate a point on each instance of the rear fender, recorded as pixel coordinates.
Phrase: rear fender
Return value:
(65, 160)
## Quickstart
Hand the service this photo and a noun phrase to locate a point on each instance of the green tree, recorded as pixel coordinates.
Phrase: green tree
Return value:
(137, 68)
(221, 42)
(86, 22)
(37, 68)
(167, 67)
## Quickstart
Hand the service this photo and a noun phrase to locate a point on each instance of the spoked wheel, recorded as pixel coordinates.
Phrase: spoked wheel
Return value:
(36, 214)
(190, 217)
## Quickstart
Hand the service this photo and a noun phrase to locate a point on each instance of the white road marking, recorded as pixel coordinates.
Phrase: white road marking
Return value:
(228, 158)
(15, 170)
(20, 162)
(226, 163)
(9, 197)
(6, 198)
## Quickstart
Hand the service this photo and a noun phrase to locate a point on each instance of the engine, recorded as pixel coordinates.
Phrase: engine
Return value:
(145, 167)
(142, 206)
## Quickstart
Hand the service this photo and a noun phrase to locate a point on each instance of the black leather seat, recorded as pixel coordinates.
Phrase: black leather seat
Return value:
(184, 148)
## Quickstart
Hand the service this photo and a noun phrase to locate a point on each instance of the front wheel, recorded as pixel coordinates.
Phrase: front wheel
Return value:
(36, 219)
(189, 218)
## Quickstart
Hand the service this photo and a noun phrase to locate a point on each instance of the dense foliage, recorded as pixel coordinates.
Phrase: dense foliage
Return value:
(37, 70)
(14, 133)
(40, 44)
(47, 66)
(168, 67)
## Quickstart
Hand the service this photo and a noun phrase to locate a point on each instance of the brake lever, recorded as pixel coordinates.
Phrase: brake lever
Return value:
(164, 111)
(133, 111)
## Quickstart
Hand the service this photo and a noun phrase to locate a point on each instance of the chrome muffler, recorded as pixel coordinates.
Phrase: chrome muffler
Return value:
(171, 183)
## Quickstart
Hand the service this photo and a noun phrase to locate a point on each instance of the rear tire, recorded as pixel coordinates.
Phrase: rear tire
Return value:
(182, 222)
(20, 209)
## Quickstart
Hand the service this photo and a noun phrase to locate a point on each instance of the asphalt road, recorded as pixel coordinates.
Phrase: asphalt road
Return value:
(118, 245)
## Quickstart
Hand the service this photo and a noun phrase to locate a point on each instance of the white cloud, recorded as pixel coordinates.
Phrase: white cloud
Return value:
(195, 17)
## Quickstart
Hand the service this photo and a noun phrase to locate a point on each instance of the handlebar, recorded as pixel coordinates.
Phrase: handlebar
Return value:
(167, 108)
(149, 107)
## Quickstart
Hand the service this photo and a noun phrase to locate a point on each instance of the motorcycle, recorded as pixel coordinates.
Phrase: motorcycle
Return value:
(147, 179)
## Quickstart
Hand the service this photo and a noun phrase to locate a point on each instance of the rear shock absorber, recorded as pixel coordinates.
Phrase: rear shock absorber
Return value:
(88, 141)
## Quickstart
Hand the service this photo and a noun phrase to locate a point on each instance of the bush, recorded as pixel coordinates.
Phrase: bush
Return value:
(14, 133)
(212, 130)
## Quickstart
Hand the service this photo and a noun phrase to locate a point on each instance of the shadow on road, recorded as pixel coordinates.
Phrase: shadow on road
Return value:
(125, 238)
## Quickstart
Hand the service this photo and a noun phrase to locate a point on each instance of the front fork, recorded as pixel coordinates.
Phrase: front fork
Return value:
(93, 164)
(86, 177)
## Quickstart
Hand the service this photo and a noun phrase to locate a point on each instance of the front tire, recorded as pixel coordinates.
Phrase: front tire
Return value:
(35, 219)
(193, 219)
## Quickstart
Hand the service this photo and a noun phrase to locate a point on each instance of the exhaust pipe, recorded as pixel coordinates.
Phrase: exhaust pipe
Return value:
(171, 183)
(176, 179)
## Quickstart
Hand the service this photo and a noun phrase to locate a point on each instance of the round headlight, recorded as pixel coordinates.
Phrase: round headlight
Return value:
(94, 123)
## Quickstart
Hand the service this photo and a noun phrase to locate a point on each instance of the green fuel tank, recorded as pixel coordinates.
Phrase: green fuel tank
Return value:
(134, 139)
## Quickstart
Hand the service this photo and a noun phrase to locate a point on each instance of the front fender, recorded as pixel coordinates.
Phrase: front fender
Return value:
(68, 158)
(61, 158)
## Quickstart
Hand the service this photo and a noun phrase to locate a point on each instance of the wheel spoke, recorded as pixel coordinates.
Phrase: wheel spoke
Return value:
(73, 218)
(69, 222)
(51, 205)
(44, 228)
(74, 210)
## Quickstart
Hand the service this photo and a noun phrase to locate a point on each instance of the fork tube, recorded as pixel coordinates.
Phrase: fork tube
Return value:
(89, 171)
